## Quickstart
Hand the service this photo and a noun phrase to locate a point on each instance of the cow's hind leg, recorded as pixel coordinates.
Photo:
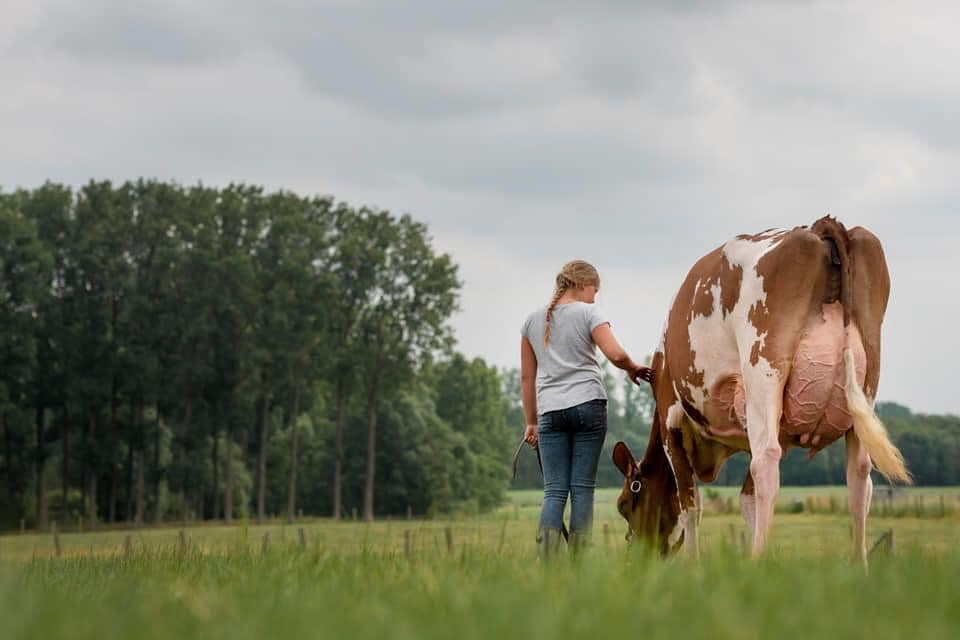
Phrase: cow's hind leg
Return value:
(764, 405)
(860, 490)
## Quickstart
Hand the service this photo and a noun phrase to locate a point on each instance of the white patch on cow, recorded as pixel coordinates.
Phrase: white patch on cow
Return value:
(678, 528)
(666, 450)
(722, 344)
(714, 350)
(676, 394)
(674, 417)
(698, 396)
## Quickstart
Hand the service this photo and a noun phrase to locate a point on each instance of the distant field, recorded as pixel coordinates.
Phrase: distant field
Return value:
(608, 494)
(512, 527)
(910, 501)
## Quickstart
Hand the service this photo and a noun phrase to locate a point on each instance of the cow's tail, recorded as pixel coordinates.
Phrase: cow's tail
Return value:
(866, 425)
(872, 434)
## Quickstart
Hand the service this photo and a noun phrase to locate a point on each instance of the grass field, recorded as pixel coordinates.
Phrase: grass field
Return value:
(399, 579)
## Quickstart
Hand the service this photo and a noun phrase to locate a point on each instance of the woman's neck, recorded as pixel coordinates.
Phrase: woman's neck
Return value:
(568, 297)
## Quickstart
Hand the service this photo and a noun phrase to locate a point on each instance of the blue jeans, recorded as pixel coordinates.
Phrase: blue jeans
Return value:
(570, 441)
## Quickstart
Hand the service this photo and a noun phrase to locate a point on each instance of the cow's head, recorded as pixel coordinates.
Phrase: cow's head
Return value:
(648, 501)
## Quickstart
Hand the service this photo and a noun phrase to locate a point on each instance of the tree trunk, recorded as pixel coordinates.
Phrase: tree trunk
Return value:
(130, 487)
(110, 444)
(338, 454)
(228, 476)
(294, 432)
(84, 454)
(181, 450)
(40, 464)
(112, 435)
(92, 476)
(65, 481)
(8, 456)
(138, 460)
(92, 508)
(131, 449)
(228, 464)
(156, 466)
(371, 454)
(215, 459)
(262, 457)
(112, 498)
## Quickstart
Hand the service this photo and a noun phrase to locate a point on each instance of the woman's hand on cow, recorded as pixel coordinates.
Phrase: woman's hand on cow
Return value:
(641, 372)
(530, 435)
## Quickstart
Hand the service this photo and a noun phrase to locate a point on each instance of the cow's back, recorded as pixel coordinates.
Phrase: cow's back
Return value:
(742, 308)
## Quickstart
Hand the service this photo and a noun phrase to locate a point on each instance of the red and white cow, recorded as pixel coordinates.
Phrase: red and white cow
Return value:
(773, 341)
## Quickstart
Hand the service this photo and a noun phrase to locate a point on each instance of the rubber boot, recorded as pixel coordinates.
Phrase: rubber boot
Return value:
(579, 542)
(549, 543)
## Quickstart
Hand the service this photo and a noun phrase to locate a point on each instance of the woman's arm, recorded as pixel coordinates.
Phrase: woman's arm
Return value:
(528, 389)
(603, 336)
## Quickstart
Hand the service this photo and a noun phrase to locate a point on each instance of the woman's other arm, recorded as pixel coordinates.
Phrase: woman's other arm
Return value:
(528, 389)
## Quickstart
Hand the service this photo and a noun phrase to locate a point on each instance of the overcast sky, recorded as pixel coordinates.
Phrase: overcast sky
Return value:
(638, 136)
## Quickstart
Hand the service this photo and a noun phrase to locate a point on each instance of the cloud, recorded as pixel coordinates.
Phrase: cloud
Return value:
(636, 135)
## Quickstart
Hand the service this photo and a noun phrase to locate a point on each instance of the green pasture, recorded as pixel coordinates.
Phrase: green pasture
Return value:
(479, 578)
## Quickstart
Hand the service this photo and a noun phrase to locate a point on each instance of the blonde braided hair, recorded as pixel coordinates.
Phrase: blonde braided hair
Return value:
(576, 274)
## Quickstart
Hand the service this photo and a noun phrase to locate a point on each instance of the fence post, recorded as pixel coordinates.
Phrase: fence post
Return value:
(266, 542)
(943, 507)
(406, 543)
(56, 539)
(354, 512)
(885, 542)
(448, 532)
(409, 512)
(23, 526)
(127, 546)
(303, 539)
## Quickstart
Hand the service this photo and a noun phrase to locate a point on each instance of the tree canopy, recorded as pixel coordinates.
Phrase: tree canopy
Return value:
(197, 352)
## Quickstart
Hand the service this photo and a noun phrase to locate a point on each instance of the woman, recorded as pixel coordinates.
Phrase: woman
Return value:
(564, 400)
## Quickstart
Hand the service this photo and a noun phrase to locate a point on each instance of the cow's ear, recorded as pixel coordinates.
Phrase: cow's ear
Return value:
(623, 459)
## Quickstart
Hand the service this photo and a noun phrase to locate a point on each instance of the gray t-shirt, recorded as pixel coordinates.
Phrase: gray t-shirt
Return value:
(567, 371)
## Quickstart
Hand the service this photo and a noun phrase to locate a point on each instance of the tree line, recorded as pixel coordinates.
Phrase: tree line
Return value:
(930, 443)
(210, 353)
